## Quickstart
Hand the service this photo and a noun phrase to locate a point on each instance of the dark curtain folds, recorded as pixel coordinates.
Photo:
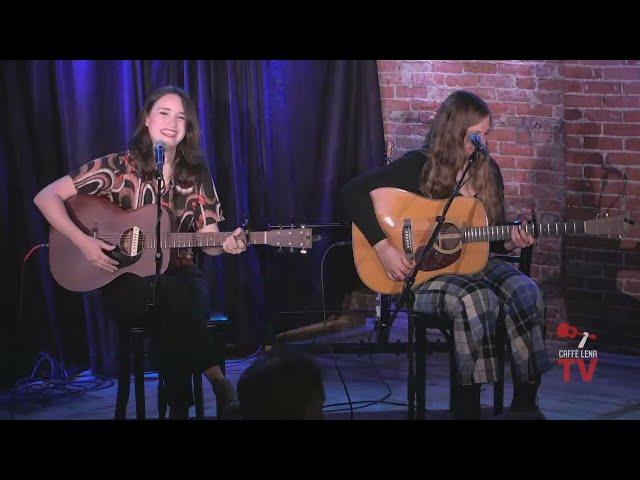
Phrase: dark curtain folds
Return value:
(281, 138)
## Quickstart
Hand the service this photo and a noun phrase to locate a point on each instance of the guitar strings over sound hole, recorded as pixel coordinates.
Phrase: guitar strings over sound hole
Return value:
(132, 242)
(450, 237)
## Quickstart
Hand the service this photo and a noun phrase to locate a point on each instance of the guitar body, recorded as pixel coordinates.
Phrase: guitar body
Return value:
(100, 218)
(395, 210)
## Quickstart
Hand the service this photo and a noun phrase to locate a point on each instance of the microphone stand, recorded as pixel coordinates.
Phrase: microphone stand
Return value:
(408, 297)
(155, 284)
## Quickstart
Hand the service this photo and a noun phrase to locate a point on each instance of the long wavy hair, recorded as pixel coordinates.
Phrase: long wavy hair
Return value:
(189, 159)
(444, 148)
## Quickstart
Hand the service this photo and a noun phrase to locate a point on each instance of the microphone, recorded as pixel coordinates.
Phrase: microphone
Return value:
(475, 139)
(159, 148)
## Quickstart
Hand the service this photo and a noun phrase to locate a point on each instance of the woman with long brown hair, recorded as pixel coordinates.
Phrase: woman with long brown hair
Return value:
(472, 301)
(127, 179)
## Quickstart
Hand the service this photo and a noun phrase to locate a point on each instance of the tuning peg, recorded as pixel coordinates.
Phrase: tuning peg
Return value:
(303, 251)
(291, 250)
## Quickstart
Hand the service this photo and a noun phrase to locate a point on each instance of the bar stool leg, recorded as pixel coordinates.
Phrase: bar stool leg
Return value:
(498, 387)
(124, 380)
(138, 371)
(162, 398)
(197, 395)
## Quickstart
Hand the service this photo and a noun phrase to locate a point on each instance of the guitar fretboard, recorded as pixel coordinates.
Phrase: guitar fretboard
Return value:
(211, 239)
(503, 232)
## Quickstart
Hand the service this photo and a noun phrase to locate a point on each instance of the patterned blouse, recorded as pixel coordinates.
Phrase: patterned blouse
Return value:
(113, 177)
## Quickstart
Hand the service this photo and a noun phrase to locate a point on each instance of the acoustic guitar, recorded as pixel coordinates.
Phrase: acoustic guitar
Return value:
(462, 246)
(134, 235)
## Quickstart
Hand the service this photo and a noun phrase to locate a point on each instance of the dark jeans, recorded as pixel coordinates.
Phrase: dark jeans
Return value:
(180, 342)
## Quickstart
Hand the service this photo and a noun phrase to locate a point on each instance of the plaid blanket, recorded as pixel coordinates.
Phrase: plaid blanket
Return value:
(476, 303)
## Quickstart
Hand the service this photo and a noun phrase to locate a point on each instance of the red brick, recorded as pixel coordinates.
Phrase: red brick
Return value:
(395, 128)
(488, 94)
(632, 144)
(389, 78)
(504, 108)
(512, 95)
(527, 83)
(610, 63)
(549, 178)
(387, 65)
(631, 87)
(631, 287)
(505, 162)
(577, 185)
(426, 79)
(447, 67)
(535, 110)
(516, 176)
(602, 87)
(534, 163)
(572, 114)
(417, 67)
(583, 128)
(461, 80)
(600, 115)
(621, 101)
(633, 188)
(553, 85)
(412, 92)
(549, 98)
(583, 158)
(602, 143)
(387, 91)
(546, 69)
(572, 141)
(583, 100)
(397, 105)
(523, 136)
(479, 67)
(516, 149)
(550, 151)
(503, 134)
(573, 86)
(573, 171)
(621, 73)
(621, 129)
(512, 189)
(571, 71)
(420, 104)
(623, 158)
(497, 81)
(633, 174)
(632, 116)
(515, 69)
(593, 172)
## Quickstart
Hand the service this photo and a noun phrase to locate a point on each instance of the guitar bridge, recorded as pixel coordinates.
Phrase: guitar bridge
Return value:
(407, 239)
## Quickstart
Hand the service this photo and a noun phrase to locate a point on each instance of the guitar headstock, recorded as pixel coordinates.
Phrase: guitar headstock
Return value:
(290, 237)
(613, 226)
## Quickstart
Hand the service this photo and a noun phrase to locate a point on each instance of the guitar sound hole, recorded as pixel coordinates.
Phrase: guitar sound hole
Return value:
(450, 237)
(126, 243)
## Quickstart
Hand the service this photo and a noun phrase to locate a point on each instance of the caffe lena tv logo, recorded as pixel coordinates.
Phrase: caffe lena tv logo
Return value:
(578, 356)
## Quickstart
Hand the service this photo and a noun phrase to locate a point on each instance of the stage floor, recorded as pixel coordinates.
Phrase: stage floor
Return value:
(613, 393)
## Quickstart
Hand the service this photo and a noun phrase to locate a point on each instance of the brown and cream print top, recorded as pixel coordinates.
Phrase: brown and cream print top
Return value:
(113, 177)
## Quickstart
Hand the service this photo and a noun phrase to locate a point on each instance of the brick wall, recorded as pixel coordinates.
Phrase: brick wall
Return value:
(560, 128)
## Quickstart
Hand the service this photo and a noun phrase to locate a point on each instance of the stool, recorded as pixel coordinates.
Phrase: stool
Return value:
(132, 348)
(216, 326)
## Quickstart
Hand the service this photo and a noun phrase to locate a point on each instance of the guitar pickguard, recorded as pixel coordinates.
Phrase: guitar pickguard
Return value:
(436, 260)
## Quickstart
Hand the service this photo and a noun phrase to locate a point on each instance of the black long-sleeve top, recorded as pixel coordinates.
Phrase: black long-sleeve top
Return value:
(403, 173)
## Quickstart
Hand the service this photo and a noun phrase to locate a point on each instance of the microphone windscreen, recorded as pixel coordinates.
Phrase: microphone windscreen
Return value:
(159, 144)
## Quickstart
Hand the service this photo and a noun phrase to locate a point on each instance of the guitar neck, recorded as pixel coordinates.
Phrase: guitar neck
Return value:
(206, 240)
(503, 232)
